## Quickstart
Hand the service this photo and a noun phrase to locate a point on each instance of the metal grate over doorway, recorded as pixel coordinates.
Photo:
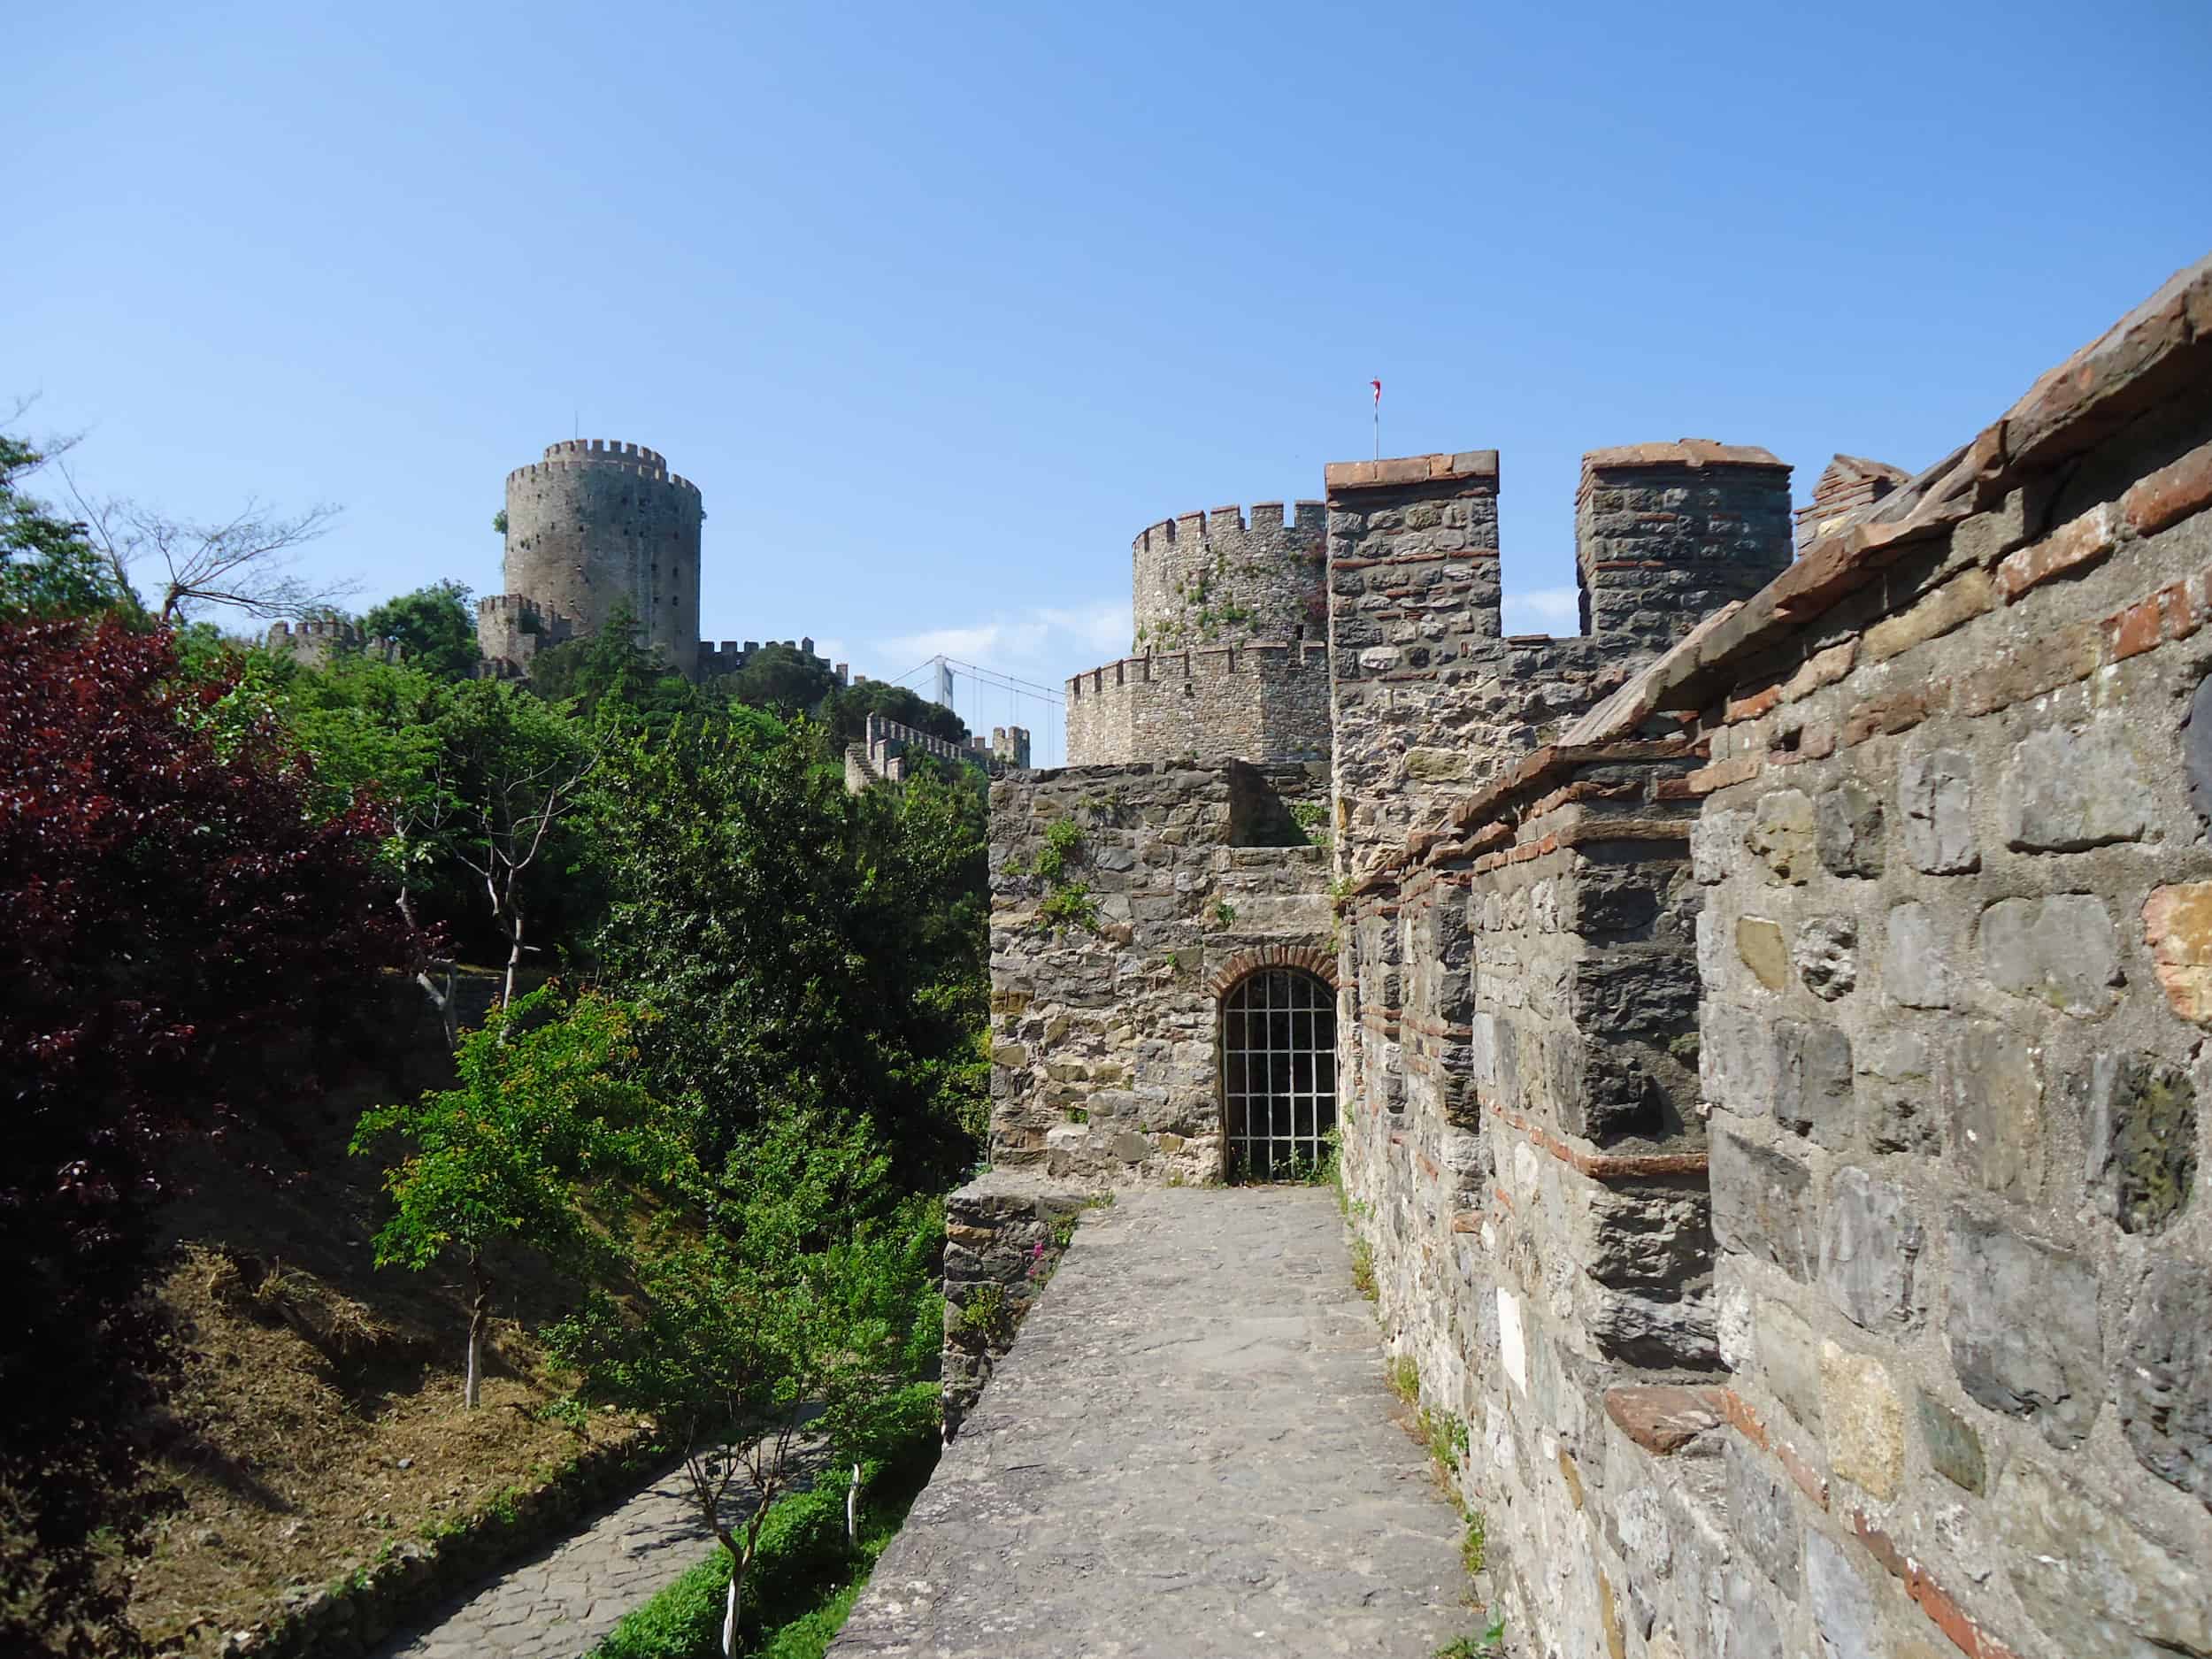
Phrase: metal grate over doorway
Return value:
(1278, 1074)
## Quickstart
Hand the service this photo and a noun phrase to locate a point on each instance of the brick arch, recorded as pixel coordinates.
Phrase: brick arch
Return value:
(1308, 958)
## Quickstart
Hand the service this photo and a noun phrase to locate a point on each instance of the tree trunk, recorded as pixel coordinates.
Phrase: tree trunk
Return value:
(448, 1018)
(514, 953)
(479, 1310)
(852, 1509)
(729, 1601)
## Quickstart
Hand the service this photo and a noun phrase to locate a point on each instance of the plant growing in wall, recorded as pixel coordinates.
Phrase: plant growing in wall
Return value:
(1067, 903)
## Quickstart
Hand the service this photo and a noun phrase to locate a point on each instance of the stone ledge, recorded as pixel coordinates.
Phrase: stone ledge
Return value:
(1409, 469)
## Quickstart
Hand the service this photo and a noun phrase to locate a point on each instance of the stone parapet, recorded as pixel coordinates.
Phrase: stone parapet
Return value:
(1225, 578)
(1104, 1045)
(1004, 1233)
(1263, 702)
(1779, 1140)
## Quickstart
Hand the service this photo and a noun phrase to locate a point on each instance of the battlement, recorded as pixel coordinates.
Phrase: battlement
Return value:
(888, 749)
(592, 449)
(314, 640)
(548, 470)
(1230, 575)
(728, 657)
(1310, 518)
(1264, 700)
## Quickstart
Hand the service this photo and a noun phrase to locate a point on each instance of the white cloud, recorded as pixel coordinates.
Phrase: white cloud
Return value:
(1044, 644)
(1544, 610)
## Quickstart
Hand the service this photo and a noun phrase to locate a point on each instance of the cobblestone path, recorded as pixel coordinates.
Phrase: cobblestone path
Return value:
(560, 1603)
(1188, 1454)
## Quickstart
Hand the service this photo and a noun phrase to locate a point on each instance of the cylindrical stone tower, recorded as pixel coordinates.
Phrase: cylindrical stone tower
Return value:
(598, 521)
(1215, 577)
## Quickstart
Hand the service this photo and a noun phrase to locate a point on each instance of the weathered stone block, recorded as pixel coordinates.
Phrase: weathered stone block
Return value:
(2141, 1136)
(1717, 841)
(2196, 750)
(2024, 1330)
(1762, 1515)
(1865, 1420)
(1848, 830)
(1631, 991)
(1896, 1093)
(1915, 972)
(2061, 950)
(2065, 790)
(2165, 1377)
(2178, 926)
(1759, 1203)
(1992, 1090)
(1870, 1252)
(1812, 1071)
(1759, 942)
(1781, 836)
(1826, 956)
(2094, 1583)
(1935, 800)
(1736, 1058)
(1744, 1627)
(1845, 1624)
(1955, 1450)
(1662, 1418)
(1789, 1357)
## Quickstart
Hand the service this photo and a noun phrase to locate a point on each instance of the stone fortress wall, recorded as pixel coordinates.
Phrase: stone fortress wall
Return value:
(598, 521)
(1230, 608)
(595, 522)
(1770, 1026)
(888, 751)
(312, 640)
(1772, 1106)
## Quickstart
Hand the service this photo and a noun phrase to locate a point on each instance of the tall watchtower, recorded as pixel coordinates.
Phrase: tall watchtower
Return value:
(598, 521)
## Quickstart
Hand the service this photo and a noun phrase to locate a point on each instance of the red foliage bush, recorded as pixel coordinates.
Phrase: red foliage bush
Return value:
(175, 927)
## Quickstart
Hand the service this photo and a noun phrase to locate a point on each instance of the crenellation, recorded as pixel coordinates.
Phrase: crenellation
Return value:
(1767, 1027)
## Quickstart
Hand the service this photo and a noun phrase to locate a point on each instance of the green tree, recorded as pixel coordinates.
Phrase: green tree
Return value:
(845, 713)
(609, 676)
(741, 1329)
(516, 769)
(48, 567)
(544, 1121)
(814, 951)
(435, 625)
(783, 679)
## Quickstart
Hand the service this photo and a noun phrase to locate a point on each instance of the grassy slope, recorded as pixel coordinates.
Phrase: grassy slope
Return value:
(319, 1414)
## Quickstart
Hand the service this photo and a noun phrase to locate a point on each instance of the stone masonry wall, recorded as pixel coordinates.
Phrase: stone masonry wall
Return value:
(1104, 1037)
(1428, 700)
(1525, 1159)
(597, 522)
(1957, 891)
(1889, 1330)
(1258, 701)
(1219, 576)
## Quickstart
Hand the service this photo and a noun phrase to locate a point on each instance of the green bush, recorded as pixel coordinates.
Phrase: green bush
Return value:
(805, 1579)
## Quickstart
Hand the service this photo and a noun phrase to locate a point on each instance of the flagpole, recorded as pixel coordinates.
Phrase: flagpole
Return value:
(1378, 385)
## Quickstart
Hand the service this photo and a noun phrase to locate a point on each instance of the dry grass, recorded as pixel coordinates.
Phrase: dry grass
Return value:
(319, 1417)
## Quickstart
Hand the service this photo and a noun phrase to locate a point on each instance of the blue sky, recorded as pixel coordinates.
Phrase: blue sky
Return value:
(940, 305)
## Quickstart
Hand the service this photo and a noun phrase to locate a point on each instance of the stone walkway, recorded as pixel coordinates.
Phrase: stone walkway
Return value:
(559, 1604)
(1188, 1453)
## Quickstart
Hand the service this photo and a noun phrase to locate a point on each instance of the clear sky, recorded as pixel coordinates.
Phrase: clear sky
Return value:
(940, 304)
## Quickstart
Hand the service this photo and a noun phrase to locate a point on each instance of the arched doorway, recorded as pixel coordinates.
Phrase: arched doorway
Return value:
(1278, 1073)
